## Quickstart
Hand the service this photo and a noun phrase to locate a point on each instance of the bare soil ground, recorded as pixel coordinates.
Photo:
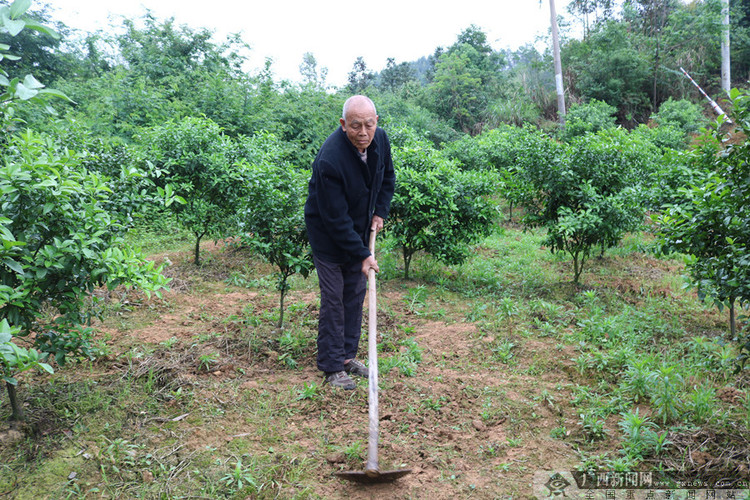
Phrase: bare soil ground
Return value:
(467, 422)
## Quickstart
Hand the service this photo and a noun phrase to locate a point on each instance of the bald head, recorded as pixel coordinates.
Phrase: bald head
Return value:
(358, 101)
(359, 121)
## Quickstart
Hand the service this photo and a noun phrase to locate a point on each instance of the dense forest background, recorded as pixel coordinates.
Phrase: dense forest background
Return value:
(148, 71)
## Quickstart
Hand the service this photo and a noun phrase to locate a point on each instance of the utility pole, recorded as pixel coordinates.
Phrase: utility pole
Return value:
(726, 81)
(558, 64)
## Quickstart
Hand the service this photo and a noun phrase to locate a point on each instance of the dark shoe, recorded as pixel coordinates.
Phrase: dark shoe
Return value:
(357, 368)
(340, 379)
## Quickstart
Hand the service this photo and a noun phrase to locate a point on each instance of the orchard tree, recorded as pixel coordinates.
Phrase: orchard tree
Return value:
(58, 243)
(509, 152)
(587, 196)
(438, 208)
(198, 161)
(712, 225)
(56, 240)
(273, 222)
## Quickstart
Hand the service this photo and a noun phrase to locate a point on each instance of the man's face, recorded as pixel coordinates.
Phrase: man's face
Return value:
(360, 124)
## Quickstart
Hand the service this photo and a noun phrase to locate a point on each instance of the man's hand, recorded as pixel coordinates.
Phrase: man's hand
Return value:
(369, 263)
(377, 223)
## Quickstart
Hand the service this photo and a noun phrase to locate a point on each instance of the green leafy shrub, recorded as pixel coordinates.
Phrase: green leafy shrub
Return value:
(664, 137)
(587, 118)
(437, 207)
(58, 243)
(587, 196)
(712, 225)
(272, 221)
(509, 151)
(198, 161)
(682, 114)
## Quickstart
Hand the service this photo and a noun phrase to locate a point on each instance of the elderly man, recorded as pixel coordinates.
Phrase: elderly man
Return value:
(349, 195)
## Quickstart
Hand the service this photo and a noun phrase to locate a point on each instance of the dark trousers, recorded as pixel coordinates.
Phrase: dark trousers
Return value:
(342, 293)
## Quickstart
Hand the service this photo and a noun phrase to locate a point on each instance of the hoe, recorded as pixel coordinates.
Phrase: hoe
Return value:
(372, 473)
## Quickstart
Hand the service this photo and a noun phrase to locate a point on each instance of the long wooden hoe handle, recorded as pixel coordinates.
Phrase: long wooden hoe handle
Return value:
(371, 468)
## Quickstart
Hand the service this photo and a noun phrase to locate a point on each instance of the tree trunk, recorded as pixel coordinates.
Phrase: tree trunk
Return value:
(655, 98)
(726, 81)
(16, 410)
(407, 262)
(732, 320)
(558, 64)
(197, 254)
(280, 326)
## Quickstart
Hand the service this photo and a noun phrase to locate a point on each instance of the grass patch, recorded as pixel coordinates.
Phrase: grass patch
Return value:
(499, 366)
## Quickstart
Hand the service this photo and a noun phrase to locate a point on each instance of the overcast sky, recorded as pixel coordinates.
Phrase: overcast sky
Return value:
(336, 32)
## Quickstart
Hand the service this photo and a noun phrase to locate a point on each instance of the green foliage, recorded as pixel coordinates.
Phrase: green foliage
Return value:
(15, 359)
(712, 226)
(198, 161)
(58, 240)
(587, 196)
(639, 435)
(610, 67)
(272, 221)
(682, 114)
(665, 392)
(582, 119)
(665, 137)
(465, 77)
(241, 477)
(58, 243)
(437, 207)
(509, 151)
(20, 88)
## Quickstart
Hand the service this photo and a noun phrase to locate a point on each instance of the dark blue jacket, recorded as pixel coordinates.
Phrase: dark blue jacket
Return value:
(343, 195)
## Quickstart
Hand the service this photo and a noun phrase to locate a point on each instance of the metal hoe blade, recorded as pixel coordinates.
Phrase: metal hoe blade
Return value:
(373, 477)
(372, 474)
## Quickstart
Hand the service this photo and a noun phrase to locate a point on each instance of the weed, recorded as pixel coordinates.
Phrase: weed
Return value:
(208, 360)
(416, 299)
(636, 378)
(701, 404)
(503, 351)
(560, 432)
(507, 308)
(355, 450)
(547, 398)
(665, 385)
(582, 362)
(241, 476)
(308, 391)
(169, 343)
(294, 341)
(491, 449)
(544, 328)
(593, 427)
(491, 412)
(638, 433)
(435, 404)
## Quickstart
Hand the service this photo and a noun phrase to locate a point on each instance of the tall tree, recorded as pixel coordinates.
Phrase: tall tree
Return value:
(726, 80)
(558, 64)
(311, 74)
(360, 77)
(395, 76)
